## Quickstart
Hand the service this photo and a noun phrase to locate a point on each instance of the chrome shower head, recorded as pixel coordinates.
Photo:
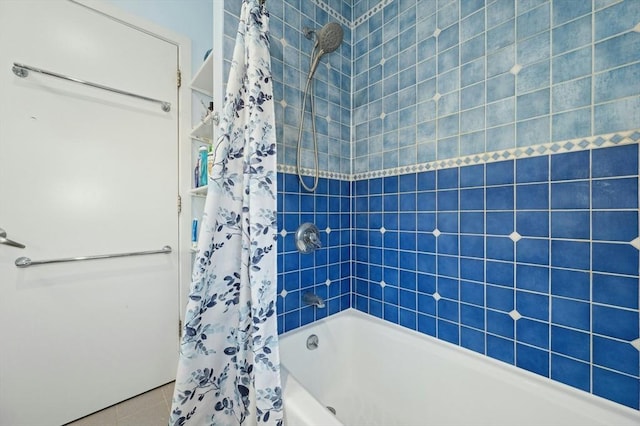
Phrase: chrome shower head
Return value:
(329, 37)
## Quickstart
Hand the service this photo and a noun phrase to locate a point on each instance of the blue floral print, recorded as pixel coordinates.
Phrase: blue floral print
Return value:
(229, 366)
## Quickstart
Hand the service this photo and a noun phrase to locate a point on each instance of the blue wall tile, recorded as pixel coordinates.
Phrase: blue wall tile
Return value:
(532, 223)
(530, 250)
(566, 11)
(532, 333)
(571, 35)
(534, 278)
(615, 225)
(616, 19)
(570, 313)
(532, 197)
(574, 165)
(534, 169)
(570, 224)
(534, 49)
(533, 21)
(532, 359)
(570, 195)
(616, 161)
(615, 116)
(572, 343)
(617, 83)
(533, 305)
(572, 94)
(615, 193)
(501, 349)
(614, 322)
(615, 290)
(614, 354)
(572, 124)
(616, 387)
(572, 65)
(616, 51)
(570, 254)
(499, 173)
(472, 316)
(570, 372)
(501, 324)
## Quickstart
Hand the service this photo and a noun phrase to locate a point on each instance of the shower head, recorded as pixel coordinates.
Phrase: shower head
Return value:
(329, 37)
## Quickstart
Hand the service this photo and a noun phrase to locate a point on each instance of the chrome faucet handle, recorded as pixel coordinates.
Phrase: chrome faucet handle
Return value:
(313, 239)
(307, 238)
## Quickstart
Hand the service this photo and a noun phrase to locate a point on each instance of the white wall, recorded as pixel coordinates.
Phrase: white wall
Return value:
(192, 18)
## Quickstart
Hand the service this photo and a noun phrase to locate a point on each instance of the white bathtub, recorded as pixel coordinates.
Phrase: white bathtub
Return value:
(376, 373)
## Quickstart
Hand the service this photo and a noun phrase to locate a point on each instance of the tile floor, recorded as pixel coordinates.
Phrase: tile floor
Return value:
(149, 409)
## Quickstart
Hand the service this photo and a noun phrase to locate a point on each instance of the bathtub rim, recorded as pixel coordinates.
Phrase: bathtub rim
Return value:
(533, 379)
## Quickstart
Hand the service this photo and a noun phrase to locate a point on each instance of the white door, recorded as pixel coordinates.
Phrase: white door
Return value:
(85, 172)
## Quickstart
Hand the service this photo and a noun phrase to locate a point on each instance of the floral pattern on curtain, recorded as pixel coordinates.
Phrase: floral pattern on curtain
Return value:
(229, 366)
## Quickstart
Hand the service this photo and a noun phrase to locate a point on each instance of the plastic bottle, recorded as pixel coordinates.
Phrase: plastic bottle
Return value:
(203, 165)
(196, 174)
(194, 233)
(210, 160)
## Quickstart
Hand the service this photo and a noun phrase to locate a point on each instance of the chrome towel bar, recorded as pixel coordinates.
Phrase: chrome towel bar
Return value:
(22, 71)
(23, 262)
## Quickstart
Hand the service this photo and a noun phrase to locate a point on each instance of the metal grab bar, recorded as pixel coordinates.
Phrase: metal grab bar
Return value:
(23, 262)
(22, 71)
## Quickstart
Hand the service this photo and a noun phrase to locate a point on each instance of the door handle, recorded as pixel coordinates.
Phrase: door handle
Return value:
(4, 240)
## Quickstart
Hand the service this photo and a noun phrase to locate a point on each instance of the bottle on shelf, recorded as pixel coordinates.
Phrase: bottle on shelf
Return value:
(210, 159)
(196, 174)
(203, 165)
(194, 234)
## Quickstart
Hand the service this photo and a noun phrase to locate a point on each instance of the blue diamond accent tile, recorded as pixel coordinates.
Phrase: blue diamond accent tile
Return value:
(583, 143)
(599, 141)
(568, 145)
(616, 138)
(529, 151)
(635, 136)
(555, 147)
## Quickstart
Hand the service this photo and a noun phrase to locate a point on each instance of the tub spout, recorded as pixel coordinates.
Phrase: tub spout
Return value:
(313, 300)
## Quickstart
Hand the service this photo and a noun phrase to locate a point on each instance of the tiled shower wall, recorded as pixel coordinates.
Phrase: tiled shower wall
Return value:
(492, 208)
(435, 80)
(495, 202)
(533, 262)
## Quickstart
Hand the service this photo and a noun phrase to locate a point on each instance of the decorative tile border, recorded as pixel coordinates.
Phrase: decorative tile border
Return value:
(581, 144)
(334, 13)
(375, 9)
(351, 24)
(284, 168)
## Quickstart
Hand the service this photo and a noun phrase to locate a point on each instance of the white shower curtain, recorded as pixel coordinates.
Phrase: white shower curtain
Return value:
(229, 366)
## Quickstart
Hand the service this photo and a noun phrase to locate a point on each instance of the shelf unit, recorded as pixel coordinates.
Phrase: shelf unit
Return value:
(202, 133)
(203, 79)
(200, 191)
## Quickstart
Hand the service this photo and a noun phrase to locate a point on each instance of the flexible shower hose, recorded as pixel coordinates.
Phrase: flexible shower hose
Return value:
(308, 91)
